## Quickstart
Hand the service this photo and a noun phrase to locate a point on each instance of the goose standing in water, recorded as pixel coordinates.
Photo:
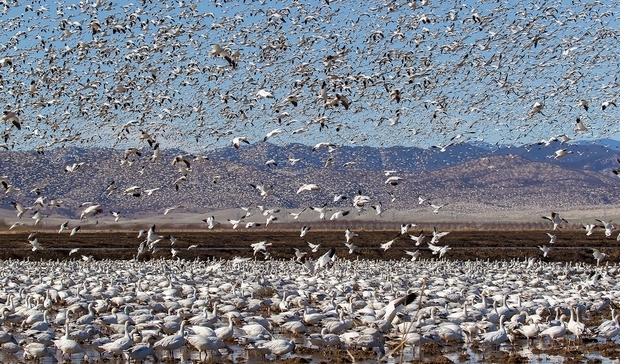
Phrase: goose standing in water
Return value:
(69, 346)
(172, 342)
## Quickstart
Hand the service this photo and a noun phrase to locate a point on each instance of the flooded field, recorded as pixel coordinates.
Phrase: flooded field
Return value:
(474, 305)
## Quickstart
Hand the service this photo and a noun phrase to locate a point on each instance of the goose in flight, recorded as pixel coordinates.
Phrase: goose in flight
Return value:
(91, 211)
(379, 210)
(552, 238)
(21, 210)
(211, 222)
(304, 230)
(555, 219)
(135, 191)
(272, 134)
(545, 249)
(260, 246)
(436, 208)
(152, 236)
(393, 180)
(418, 239)
(75, 230)
(348, 235)
(562, 153)
(321, 210)
(414, 255)
(74, 167)
(308, 187)
(436, 249)
(235, 223)
(339, 214)
(598, 255)
(398, 304)
(117, 215)
(589, 228)
(264, 191)
(296, 214)
(608, 226)
(607, 104)
(35, 244)
(314, 247)
(387, 245)
(351, 247)
(579, 126)
(438, 235)
(237, 141)
(325, 259)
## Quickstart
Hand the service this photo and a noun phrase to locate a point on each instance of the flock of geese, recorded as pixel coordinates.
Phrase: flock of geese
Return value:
(208, 310)
(142, 77)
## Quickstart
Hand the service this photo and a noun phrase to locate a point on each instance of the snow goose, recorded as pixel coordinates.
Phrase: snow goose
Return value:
(91, 211)
(438, 235)
(398, 304)
(414, 255)
(580, 127)
(545, 249)
(264, 191)
(555, 332)
(555, 219)
(393, 180)
(598, 255)
(141, 352)
(589, 228)
(339, 214)
(379, 210)
(562, 153)
(297, 214)
(279, 347)
(552, 238)
(207, 344)
(172, 342)
(21, 210)
(321, 210)
(607, 225)
(314, 247)
(235, 223)
(308, 187)
(495, 338)
(387, 245)
(237, 140)
(348, 235)
(211, 222)
(69, 346)
(39, 350)
(418, 239)
(304, 230)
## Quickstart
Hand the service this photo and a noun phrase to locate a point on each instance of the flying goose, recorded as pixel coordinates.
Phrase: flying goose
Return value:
(307, 187)
(304, 230)
(91, 211)
(264, 191)
(339, 214)
(608, 226)
(579, 126)
(21, 210)
(314, 247)
(321, 210)
(555, 219)
(235, 223)
(348, 235)
(237, 140)
(211, 222)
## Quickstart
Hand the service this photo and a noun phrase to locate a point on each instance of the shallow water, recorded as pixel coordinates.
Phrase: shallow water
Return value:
(346, 280)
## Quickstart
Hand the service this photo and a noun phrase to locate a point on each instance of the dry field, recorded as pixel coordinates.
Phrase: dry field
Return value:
(467, 244)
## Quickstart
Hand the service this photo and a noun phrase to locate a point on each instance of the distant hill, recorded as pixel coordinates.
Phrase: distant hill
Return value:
(470, 176)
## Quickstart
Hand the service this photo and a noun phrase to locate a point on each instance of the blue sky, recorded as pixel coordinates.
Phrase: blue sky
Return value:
(466, 71)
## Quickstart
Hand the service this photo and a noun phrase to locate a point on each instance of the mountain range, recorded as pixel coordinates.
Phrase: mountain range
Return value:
(468, 176)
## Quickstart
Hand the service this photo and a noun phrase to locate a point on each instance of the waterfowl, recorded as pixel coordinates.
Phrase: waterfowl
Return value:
(555, 219)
